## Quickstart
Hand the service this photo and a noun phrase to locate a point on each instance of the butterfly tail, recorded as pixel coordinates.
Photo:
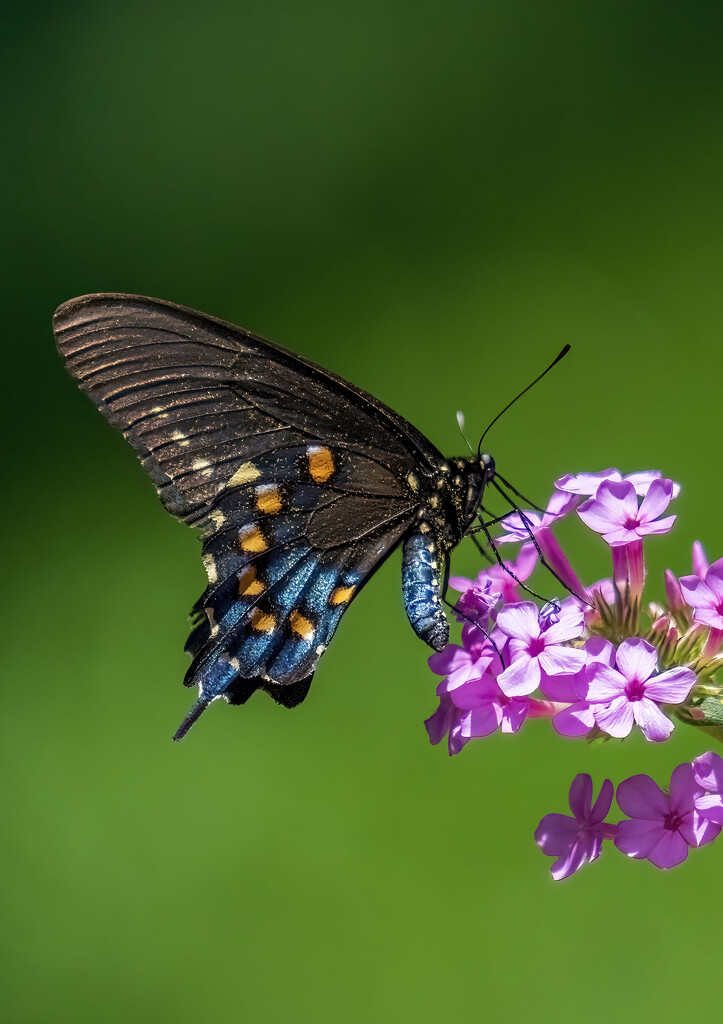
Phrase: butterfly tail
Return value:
(213, 684)
(194, 713)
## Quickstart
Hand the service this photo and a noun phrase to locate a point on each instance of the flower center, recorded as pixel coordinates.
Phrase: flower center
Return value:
(631, 523)
(536, 646)
(672, 821)
(635, 690)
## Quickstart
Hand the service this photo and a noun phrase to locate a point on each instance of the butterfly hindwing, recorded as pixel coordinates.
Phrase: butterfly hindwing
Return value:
(285, 558)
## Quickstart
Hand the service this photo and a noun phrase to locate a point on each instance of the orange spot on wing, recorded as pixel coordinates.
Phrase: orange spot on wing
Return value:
(268, 499)
(300, 625)
(249, 584)
(263, 621)
(321, 464)
(252, 539)
(341, 595)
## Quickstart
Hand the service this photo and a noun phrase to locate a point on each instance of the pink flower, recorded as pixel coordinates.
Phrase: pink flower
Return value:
(700, 562)
(535, 645)
(446, 721)
(629, 693)
(614, 511)
(663, 825)
(519, 529)
(578, 718)
(705, 595)
(496, 578)
(487, 708)
(477, 598)
(588, 483)
(473, 710)
(460, 664)
(708, 770)
(577, 839)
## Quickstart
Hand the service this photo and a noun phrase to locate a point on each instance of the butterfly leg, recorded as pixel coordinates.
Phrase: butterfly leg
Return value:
(424, 570)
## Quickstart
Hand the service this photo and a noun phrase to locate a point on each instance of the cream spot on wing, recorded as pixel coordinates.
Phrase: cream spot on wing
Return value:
(210, 567)
(245, 474)
(321, 463)
(268, 499)
(252, 539)
(217, 518)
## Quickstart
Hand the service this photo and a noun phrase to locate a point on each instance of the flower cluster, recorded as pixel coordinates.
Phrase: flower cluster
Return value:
(660, 826)
(599, 662)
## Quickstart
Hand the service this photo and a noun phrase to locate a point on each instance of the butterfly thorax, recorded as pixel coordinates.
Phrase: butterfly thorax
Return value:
(453, 497)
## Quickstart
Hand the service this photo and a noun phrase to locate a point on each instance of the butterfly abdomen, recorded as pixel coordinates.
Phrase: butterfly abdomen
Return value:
(423, 572)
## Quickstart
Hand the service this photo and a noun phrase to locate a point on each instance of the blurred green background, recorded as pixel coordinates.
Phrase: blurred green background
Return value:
(429, 199)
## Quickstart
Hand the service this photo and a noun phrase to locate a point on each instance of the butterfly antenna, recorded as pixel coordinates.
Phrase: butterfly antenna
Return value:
(501, 562)
(519, 494)
(524, 391)
(530, 533)
(460, 424)
(194, 713)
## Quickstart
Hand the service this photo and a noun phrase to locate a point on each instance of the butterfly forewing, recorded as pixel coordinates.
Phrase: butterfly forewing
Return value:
(301, 482)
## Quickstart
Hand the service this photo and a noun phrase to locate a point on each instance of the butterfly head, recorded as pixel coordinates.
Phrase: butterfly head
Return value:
(487, 465)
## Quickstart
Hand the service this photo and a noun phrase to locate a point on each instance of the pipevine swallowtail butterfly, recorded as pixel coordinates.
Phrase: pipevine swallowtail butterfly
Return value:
(301, 484)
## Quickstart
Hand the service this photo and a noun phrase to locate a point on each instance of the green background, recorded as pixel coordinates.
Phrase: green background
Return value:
(430, 199)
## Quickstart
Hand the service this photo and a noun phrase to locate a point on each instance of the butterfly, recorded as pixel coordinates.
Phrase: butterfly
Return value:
(301, 483)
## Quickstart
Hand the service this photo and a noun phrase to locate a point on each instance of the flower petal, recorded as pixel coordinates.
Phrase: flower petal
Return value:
(641, 797)
(519, 621)
(602, 683)
(636, 659)
(714, 578)
(671, 687)
(556, 833)
(671, 849)
(568, 627)
(659, 526)
(569, 864)
(482, 721)
(580, 797)
(638, 837)
(448, 659)
(599, 649)
(577, 720)
(586, 483)
(603, 803)
(709, 771)
(438, 724)
(561, 661)
(696, 592)
(656, 501)
(654, 725)
(521, 677)
(564, 689)
(615, 718)
(514, 714)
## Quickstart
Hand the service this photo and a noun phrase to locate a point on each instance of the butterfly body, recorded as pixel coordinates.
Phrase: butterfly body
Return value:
(301, 484)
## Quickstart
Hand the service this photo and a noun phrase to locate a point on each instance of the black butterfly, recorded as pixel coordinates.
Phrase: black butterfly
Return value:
(301, 483)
